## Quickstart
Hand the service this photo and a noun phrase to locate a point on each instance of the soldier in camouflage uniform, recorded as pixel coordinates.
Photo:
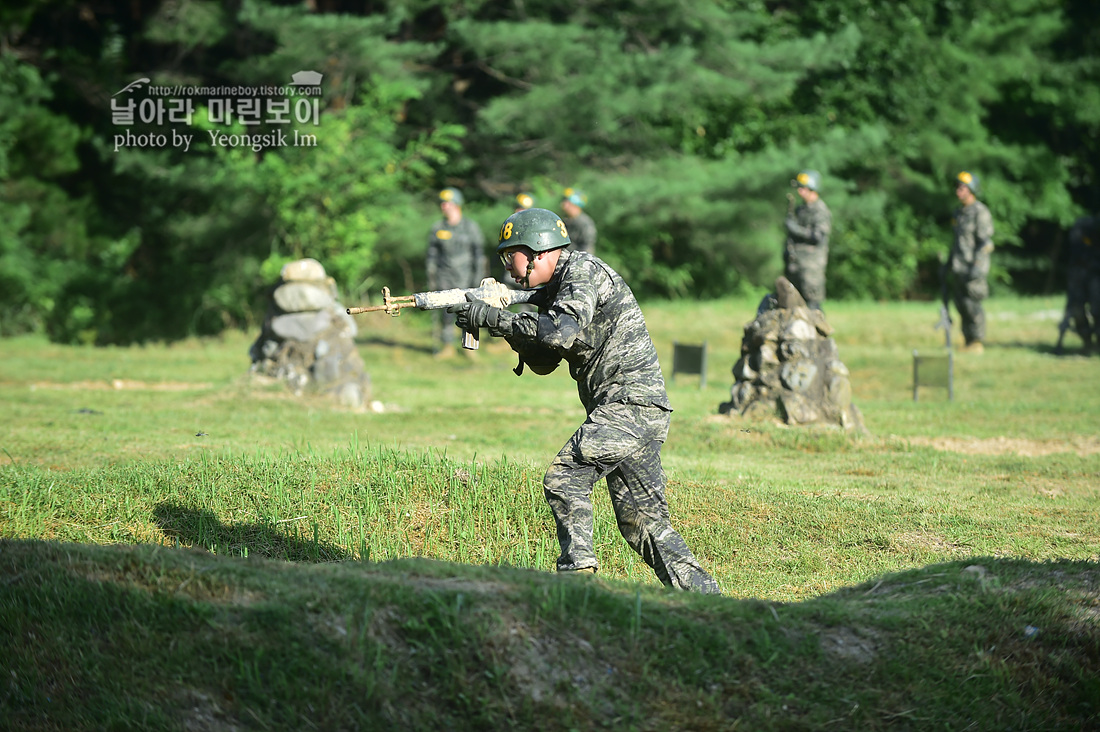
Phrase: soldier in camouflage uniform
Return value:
(806, 252)
(581, 227)
(1083, 280)
(456, 258)
(969, 260)
(588, 317)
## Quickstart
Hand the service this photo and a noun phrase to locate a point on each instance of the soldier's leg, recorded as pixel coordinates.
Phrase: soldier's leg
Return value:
(637, 489)
(968, 300)
(796, 277)
(610, 434)
(973, 317)
(1077, 303)
(813, 289)
(1092, 294)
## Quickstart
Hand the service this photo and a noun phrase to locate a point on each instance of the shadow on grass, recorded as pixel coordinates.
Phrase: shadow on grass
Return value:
(290, 542)
(391, 343)
(1046, 349)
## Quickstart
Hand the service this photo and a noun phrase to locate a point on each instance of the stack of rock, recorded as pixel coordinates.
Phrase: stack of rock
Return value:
(308, 338)
(789, 366)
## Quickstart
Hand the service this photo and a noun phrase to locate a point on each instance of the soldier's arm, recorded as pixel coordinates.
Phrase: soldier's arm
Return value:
(822, 227)
(983, 233)
(815, 231)
(558, 325)
(795, 229)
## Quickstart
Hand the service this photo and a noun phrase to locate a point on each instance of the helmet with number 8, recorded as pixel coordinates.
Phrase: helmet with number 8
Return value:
(535, 228)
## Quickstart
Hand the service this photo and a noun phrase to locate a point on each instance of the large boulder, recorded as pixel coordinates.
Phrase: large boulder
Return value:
(308, 339)
(790, 368)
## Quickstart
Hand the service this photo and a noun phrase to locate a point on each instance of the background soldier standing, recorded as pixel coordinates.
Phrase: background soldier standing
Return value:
(969, 260)
(1083, 280)
(456, 258)
(806, 251)
(582, 229)
(588, 316)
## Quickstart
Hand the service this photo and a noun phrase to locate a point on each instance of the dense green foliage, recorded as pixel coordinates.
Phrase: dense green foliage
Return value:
(683, 121)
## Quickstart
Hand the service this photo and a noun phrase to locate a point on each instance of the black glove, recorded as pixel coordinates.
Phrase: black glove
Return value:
(476, 314)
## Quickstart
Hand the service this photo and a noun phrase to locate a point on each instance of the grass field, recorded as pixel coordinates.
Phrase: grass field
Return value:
(938, 571)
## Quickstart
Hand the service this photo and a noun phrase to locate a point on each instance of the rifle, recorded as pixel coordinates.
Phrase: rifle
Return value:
(490, 291)
(945, 311)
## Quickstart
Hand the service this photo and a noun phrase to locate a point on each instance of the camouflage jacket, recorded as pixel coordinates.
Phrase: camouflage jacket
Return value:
(973, 242)
(456, 255)
(582, 233)
(588, 316)
(808, 229)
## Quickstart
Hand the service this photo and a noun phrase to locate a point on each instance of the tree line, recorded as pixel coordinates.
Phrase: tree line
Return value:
(683, 121)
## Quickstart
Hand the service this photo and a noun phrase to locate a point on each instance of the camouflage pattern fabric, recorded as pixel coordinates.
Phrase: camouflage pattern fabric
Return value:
(806, 252)
(969, 265)
(1083, 281)
(588, 317)
(582, 233)
(456, 258)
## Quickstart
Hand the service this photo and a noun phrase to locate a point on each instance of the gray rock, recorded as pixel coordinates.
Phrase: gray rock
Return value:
(307, 339)
(307, 270)
(350, 395)
(798, 375)
(789, 367)
(742, 371)
(298, 297)
(839, 391)
(301, 326)
(798, 330)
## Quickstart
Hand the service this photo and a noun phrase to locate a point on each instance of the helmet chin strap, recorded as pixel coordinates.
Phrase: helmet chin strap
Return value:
(525, 281)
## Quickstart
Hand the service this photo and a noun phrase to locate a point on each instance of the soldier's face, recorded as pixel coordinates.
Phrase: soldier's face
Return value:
(963, 192)
(451, 210)
(518, 259)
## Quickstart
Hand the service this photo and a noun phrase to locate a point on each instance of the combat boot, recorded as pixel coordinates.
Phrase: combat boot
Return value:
(974, 347)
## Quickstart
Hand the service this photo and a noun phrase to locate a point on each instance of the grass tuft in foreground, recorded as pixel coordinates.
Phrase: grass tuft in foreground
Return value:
(142, 637)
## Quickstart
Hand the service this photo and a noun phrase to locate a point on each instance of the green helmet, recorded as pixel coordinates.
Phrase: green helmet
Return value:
(807, 179)
(967, 179)
(453, 195)
(575, 197)
(535, 228)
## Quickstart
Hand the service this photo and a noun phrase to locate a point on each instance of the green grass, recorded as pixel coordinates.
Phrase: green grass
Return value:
(843, 557)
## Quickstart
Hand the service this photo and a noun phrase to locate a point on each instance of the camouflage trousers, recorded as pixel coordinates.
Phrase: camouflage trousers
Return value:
(968, 296)
(622, 443)
(807, 274)
(1083, 303)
